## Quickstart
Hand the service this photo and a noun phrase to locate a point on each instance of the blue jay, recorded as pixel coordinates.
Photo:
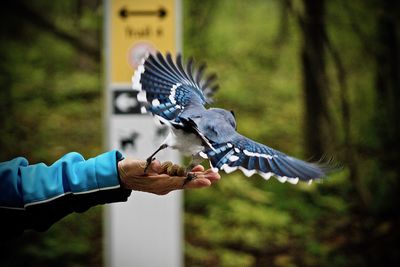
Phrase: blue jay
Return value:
(176, 93)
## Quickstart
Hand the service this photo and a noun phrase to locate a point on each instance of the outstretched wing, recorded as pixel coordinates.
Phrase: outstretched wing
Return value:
(252, 157)
(167, 87)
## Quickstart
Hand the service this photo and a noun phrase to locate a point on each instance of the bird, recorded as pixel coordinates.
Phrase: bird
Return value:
(179, 94)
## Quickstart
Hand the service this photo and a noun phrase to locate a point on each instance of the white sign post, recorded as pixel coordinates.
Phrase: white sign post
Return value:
(146, 230)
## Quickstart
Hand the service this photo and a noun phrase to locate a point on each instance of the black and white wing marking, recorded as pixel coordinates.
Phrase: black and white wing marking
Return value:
(252, 157)
(166, 87)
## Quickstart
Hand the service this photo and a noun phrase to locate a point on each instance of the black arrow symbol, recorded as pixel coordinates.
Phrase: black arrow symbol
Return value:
(124, 12)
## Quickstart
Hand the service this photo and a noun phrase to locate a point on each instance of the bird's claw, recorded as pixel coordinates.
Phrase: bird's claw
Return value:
(189, 177)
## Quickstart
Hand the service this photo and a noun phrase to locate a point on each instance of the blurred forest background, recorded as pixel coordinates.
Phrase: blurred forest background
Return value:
(310, 78)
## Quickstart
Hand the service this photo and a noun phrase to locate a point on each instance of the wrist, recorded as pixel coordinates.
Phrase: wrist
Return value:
(121, 172)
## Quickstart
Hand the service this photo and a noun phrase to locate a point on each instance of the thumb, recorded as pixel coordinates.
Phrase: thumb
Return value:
(154, 167)
(129, 167)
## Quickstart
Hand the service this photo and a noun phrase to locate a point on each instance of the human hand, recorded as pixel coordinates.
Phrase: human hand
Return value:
(160, 178)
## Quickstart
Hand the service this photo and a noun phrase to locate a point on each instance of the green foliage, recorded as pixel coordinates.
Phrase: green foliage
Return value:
(255, 50)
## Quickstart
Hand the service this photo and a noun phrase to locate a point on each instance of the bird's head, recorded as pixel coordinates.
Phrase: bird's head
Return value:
(228, 116)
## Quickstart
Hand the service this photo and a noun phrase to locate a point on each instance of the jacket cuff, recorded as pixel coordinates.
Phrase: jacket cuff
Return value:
(106, 169)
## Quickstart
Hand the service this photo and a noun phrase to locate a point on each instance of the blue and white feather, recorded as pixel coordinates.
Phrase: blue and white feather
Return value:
(167, 87)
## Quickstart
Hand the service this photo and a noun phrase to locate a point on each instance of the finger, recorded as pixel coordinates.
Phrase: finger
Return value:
(165, 165)
(173, 170)
(211, 175)
(208, 174)
(198, 168)
(198, 183)
(212, 170)
(181, 171)
(154, 167)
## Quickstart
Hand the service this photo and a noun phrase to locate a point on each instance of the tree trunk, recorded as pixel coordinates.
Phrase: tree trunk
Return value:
(315, 85)
(387, 87)
(388, 81)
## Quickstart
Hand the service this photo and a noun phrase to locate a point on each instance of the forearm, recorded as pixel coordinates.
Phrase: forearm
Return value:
(36, 196)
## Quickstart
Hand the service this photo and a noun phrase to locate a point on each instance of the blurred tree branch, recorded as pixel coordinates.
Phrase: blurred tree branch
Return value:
(24, 11)
(283, 26)
(364, 38)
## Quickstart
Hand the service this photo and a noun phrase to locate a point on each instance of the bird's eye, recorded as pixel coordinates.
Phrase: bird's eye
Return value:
(233, 122)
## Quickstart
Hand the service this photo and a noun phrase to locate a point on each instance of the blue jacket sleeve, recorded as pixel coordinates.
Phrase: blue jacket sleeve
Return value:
(36, 196)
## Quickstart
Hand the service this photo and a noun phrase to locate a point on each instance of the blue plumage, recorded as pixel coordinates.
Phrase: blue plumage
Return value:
(177, 95)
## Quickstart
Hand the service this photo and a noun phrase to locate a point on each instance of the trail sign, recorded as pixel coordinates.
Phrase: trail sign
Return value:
(125, 102)
(147, 230)
(124, 12)
(139, 26)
